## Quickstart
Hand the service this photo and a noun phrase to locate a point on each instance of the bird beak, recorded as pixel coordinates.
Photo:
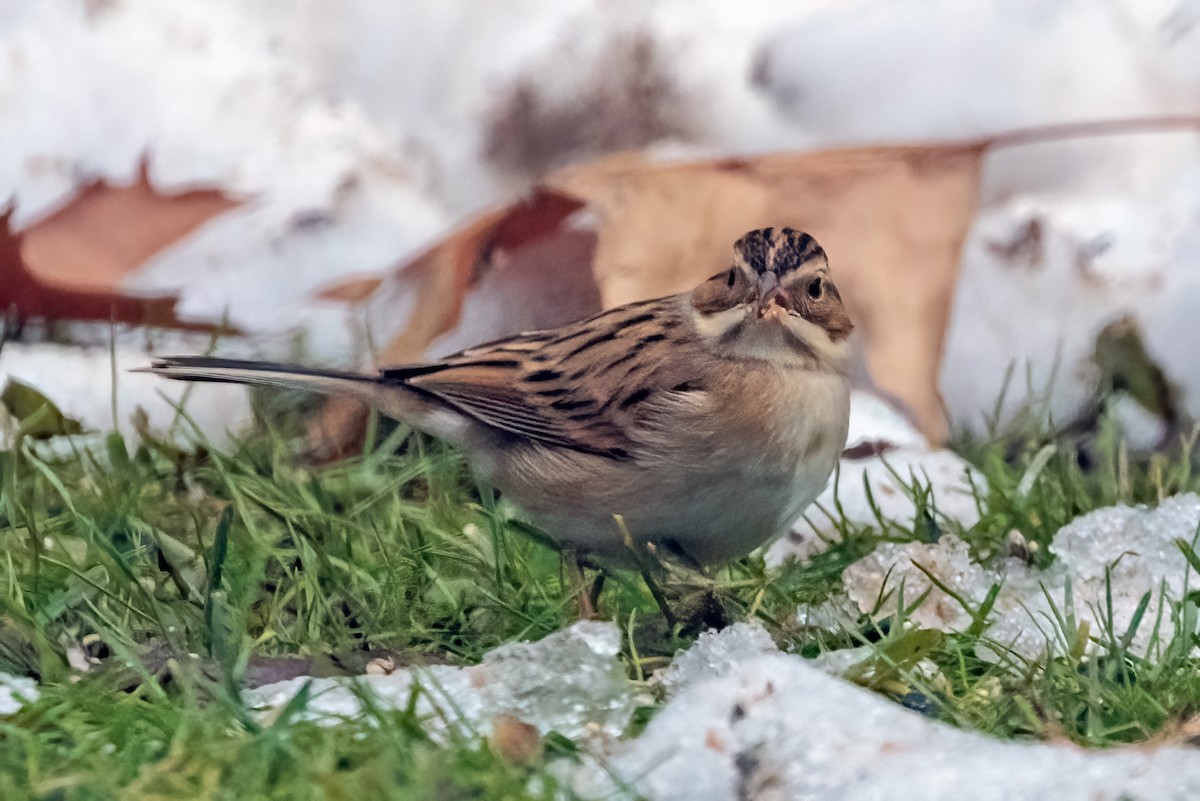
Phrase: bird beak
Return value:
(768, 294)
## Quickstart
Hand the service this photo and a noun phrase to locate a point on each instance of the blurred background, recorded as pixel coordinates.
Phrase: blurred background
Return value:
(1010, 191)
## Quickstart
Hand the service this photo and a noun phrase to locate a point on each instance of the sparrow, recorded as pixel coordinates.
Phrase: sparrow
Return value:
(706, 420)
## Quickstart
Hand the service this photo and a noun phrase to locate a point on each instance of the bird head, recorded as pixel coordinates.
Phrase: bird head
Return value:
(776, 300)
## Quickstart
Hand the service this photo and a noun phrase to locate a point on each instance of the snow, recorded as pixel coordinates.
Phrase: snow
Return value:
(743, 720)
(79, 380)
(571, 682)
(443, 79)
(940, 69)
(325, 194)
(1122, 551)
(1123, 251)
(776, 727)
(15, 692)
(1116, 216)
(897, 564)
(716, 654)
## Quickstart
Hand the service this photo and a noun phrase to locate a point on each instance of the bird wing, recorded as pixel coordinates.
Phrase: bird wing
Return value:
(500, 394)
(580, 387)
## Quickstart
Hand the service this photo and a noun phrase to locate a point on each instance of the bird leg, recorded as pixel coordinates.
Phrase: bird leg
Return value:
(644, 567)
(597, 587)
(587, 597)
(691, 590)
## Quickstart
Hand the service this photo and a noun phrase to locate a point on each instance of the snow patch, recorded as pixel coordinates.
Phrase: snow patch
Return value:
(325, 194)
(571, 682)
(776, 727)
(79, 380)
(15, 692)
(716, 654)
(1130, 551)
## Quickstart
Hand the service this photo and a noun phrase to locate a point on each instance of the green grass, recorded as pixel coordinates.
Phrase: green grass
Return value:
(88, 741)
(141, 559)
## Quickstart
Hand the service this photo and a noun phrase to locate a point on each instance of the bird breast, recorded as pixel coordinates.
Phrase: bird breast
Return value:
(717, 472)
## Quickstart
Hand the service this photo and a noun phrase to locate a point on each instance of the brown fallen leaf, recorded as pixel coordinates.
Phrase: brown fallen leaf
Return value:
(441, 275)
(351, 289)
(893, 220)
(23, 296)
(71, 264)
(515, 741)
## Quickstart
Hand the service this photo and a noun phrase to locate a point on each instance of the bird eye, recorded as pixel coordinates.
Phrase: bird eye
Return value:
(816, 288)
(732, 277)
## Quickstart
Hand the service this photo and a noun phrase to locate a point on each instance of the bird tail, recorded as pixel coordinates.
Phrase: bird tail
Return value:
(288, 376)
(390, 395)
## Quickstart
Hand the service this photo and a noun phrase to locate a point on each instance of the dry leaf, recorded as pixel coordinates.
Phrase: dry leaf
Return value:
(351, 289)
(443, 273)
(71, 265)
(515, 741)
(893, 220)
(23, 296)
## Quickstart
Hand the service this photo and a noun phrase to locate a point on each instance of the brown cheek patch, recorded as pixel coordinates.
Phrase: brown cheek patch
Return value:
(712, 296)
(832, 317)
